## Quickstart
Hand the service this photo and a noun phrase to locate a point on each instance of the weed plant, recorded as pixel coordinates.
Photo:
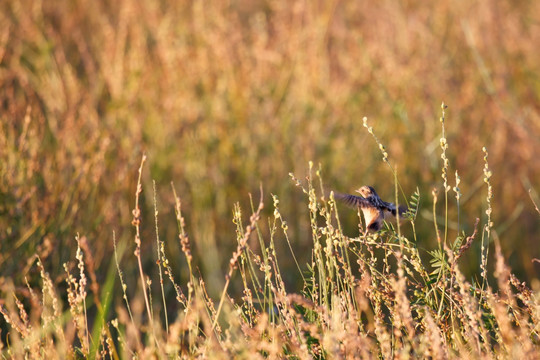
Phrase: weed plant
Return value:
(370, 296)
(224, 95)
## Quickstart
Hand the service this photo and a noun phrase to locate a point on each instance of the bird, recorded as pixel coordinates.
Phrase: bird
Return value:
(375, 210)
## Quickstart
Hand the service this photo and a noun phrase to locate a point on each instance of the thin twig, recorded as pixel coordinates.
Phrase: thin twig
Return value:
(137, 222)
(239, 249)
(535, 206)
(161, 257)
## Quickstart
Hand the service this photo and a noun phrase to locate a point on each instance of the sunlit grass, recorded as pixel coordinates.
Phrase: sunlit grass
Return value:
(367, 296)
(225, 96)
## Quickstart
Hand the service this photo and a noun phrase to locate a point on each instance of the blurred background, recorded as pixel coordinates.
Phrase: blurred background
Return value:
(225, 95)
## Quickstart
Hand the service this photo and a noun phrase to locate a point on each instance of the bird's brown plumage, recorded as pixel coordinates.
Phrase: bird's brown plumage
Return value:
(374, 209)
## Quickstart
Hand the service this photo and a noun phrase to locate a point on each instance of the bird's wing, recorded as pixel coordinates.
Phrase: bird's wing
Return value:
(391, 207)
(353, 200)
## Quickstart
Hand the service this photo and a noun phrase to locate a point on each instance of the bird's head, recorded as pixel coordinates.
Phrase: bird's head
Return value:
(366, 191)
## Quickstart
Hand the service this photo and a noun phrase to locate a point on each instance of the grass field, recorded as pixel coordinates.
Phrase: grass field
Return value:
(166, 174)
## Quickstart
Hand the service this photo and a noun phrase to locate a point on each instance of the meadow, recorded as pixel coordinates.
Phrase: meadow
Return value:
(166, 178)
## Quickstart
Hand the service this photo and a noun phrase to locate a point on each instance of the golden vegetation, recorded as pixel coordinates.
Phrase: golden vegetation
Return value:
(364, 297)
(225, 96)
